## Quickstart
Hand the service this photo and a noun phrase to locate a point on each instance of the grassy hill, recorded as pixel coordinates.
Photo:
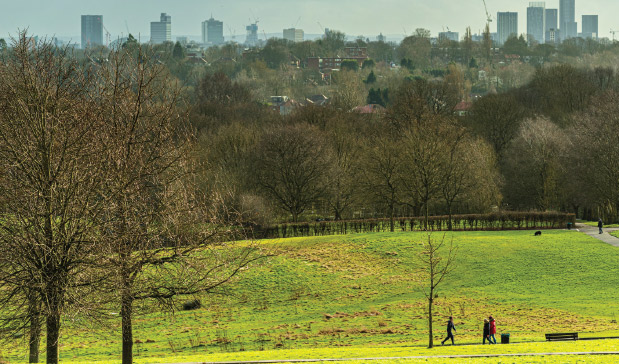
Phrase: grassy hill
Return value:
(365, 290)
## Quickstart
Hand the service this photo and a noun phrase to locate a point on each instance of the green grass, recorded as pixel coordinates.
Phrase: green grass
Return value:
(356, 292)
(595, 224)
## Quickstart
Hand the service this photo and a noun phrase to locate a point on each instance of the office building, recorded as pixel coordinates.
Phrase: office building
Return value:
(552, 23)
(590, 26)
(294, 35)
(212, 32)
(567, 19)
(536, 22)
(92, 30)
(451, 36)
(161, 31)
(507, 26)
(251, 39)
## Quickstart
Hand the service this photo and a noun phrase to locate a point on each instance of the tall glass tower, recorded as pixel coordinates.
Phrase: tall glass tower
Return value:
(536, 22)
(92, 30)
(567, 19)
(507, 25)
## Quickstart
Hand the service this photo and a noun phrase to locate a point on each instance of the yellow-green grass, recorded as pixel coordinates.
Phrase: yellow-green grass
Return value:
(593, 347)
(595, 224)
(364, 291)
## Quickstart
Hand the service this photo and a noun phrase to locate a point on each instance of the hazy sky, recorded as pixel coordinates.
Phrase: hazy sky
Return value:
(353, 17)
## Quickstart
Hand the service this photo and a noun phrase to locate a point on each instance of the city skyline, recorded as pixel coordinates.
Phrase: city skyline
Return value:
(396, 17)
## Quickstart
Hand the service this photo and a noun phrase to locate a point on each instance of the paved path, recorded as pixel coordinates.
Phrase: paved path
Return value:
(594, 232)
(409, 357)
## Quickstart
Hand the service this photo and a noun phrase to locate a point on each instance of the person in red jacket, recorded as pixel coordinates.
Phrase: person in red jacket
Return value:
(491, 338)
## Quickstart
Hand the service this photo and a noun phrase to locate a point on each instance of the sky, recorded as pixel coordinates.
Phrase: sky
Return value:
(61, 18)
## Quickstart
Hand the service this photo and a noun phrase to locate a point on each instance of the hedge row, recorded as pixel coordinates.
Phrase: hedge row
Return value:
(477, 222)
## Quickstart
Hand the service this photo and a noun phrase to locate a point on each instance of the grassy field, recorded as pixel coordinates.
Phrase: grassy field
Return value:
(354, 292)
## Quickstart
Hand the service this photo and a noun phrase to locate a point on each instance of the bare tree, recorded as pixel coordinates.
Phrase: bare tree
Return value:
(381, 160)
(596, 160)
(292, 164)
(437, 264)
(470, 175)
(163, 238)
(535, 167)
(429, 148)
(50, 164)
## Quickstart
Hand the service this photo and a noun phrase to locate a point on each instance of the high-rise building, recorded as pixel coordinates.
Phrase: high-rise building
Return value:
(507, 25)
(552, 23)
(536, 22)
(452, 36)
(92, 30)
(294, 35)
(252, 35)
(212, 32)
(590, 26)
(161, 31)
(567, 19)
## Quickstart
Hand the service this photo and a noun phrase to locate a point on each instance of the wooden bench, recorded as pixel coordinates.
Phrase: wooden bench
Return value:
(562, 336)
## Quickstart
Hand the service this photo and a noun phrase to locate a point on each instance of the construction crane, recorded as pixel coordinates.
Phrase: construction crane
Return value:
(613, 33)
(232, 33)
(488, 17)
(107, 36)
(297, 23)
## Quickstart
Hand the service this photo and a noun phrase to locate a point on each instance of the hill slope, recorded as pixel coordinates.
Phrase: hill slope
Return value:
(366, 290)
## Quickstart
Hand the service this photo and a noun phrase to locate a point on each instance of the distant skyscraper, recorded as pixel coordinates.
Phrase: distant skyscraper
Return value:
(294, 35)
(567, 19)
(161, 31)
(252, 35)
(552, 23)
(590, 26)
(507, 25)
(212, 32)
(92, 30)
(536, 22)
(452, 36)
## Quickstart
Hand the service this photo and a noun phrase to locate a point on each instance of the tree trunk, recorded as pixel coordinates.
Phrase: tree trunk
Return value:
(126, 313)
(426, 211)
(431, 338)
(391, 215)
(53, 336)
(449, 224)
(34, 340)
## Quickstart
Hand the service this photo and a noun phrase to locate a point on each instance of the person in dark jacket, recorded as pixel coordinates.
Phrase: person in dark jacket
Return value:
(486, 332)
(491, 338)
(450, 335)
(600, 225)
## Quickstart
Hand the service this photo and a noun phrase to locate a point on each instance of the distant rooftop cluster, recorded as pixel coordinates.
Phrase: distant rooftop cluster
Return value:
(547, 25)
(544, 25)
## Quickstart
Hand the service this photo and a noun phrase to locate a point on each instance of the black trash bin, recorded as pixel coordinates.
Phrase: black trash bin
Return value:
(569, 226)
(504, 338)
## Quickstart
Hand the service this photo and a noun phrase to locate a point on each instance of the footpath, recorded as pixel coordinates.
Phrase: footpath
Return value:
(411, 358)
(594, 232)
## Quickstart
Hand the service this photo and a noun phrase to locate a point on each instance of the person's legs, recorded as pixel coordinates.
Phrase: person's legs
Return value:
(600, 230)
(452, 339)
(493, 339)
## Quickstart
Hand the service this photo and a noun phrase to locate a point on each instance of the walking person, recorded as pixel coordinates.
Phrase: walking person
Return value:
(486, 332)
(600, 225)
(491, 338)
(450, 326)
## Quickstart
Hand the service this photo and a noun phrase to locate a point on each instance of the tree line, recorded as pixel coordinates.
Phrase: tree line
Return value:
(98, 195)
